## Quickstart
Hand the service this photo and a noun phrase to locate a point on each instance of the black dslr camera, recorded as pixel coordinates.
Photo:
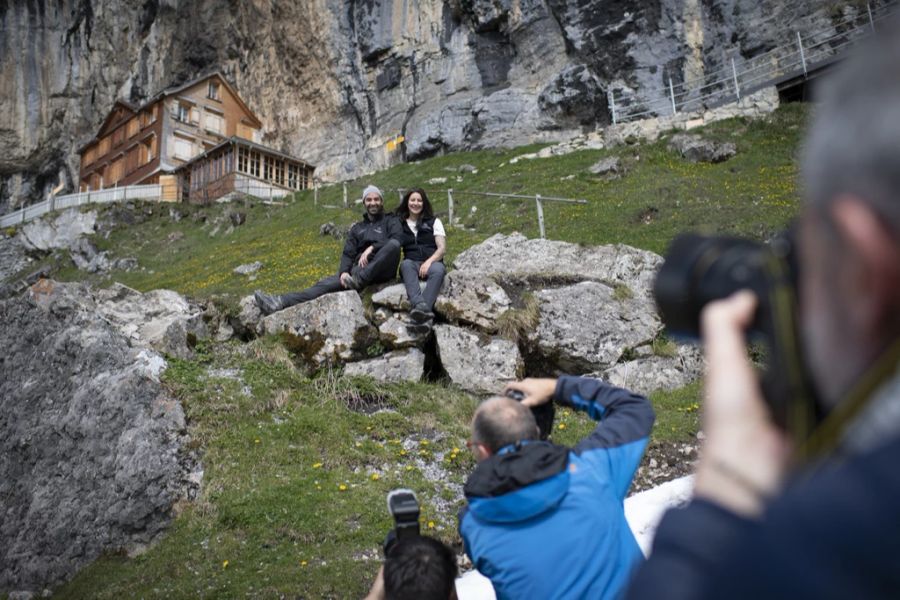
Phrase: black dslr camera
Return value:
(404, 507)
(543, 413)
(700, 269)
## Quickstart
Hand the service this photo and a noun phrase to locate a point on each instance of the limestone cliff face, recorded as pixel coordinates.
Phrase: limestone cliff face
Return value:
(335, 80)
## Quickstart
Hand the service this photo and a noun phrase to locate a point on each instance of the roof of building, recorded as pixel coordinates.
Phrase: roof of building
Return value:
(170, 91)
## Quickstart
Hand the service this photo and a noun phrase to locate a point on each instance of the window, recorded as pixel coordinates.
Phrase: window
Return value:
(132, 159)
(279, 172)
(254, 163)
(184, 149)
(292, 176)
(115, 171)
(215, 124)
(242, 160)
(118, 136)
(151, 147)
(133, 127)
(213, 91)
(182, 113)
(104, 147)
(90, 156)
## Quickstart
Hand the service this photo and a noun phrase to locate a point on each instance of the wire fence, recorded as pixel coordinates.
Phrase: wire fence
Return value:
(799, 54)
(452, 200)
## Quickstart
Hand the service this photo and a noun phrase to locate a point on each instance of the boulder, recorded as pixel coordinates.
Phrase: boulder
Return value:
(611, 165)
(394, 332)
(648, 374)
(247, 322)
(477, 364)
(515, 258)
(392, 296)
(588, 326)
(12, 257)
(93, 449)
(59, 232)
(160, 319)
(87, 258)
(328, 330)
(402, 365)
(696, 149)
(472, 299)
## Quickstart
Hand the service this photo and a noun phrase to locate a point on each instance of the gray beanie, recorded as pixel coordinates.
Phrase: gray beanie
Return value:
(369, 189)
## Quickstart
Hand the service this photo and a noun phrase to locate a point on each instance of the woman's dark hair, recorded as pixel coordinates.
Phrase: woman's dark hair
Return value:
(403, 210)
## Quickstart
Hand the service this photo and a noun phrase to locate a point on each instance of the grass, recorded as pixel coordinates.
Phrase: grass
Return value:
(297, 467)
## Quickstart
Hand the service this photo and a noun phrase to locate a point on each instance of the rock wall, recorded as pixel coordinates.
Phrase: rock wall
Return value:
(335, 80)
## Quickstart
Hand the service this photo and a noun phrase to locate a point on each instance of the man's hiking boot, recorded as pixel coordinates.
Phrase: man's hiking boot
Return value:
(418, 329)
(267, 304)
(420, 313)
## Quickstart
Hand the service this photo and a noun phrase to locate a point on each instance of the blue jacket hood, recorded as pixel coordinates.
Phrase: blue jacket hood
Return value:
(518, 485)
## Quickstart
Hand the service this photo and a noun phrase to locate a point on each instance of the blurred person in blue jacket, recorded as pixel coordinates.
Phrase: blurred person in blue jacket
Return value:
(546, 521)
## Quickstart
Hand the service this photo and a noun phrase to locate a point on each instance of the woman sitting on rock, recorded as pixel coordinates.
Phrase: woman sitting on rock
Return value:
(424, 243)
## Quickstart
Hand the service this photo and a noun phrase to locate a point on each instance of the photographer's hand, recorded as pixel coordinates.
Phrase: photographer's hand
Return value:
(745, 455)
(537, 391)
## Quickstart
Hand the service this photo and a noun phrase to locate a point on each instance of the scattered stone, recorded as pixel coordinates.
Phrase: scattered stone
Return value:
(472, 299)
(175, 215)
(333, 230)
(175, 236)
(610, 165)
(403, 365)
(129, 263)
(248, 269)
(478, 365)
(437, 180)
(696, 149)
(87, 258)
(237, 218)
(466, 168)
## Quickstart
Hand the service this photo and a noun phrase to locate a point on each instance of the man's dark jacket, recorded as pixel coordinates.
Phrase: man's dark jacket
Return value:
(833, 533)
(371, 231)
(544, 521)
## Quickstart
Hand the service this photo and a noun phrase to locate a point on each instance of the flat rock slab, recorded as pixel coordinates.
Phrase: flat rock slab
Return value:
(516, 258)
(476, 364)
(59, 232)
(585, 327)
(649, 374)
(330, 329)
(472, 299)
(402, 365)
(696, 149)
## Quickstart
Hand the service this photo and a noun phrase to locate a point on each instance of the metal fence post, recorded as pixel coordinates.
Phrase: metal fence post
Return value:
(23, 213)
(345, 194)
(871, 20)
(672, 97)
(737, 89)
(315, 193)
(802, 55)
(540, 213)
(450, 207)
(611, 97)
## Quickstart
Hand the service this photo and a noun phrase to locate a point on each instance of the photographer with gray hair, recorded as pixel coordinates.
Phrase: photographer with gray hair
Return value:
(788, 510)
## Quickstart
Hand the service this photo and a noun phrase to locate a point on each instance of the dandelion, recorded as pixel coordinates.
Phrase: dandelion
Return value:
(561, 426)
(342, 487)
(302, 563)
(403, 453)
(224, 564)
(375, 477)
(317, 465)
(430, 524)
(455, 450)
(409, 467)
(256, 441)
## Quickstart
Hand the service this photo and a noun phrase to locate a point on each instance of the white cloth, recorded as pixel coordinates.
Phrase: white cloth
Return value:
(438, 227)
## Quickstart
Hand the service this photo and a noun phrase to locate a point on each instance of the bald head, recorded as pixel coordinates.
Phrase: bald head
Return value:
(501, 421)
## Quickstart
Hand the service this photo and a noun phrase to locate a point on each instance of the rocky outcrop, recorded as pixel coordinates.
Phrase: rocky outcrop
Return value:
(588, 327)
(92, 447)
(61, 232)
(447, 75)
(517, 258)
(328, 330)
(650, 373)
(475, 363)
(472, 299)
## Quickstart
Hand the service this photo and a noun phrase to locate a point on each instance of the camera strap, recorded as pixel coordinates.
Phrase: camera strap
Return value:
(828, 435)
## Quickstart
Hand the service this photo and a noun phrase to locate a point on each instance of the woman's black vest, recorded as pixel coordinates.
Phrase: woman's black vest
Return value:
(418, 248)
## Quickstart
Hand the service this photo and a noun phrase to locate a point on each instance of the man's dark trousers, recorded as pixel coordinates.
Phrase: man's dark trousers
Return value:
(382, 267)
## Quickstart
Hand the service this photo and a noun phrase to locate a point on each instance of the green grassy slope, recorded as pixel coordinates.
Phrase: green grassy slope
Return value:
(296, 468)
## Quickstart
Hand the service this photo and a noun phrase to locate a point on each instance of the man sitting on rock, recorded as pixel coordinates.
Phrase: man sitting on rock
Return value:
(371, 255)
(546, 521)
